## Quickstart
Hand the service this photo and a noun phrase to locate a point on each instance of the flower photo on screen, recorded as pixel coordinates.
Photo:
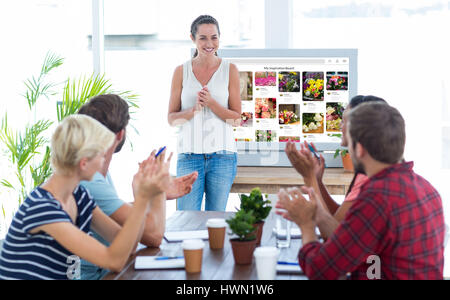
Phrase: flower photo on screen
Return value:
(265, 79)
(334, 116)
(265, 136)
(312, 123)
(337, 81)
(265, 108)
(289, 114)
(246, 85)
(313, 86)
(294, 139)
(246, 119)
(289, 82)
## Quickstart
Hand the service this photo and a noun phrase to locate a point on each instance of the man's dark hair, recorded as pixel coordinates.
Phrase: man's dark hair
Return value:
(110, 110)
(355, 101)
(380, 129)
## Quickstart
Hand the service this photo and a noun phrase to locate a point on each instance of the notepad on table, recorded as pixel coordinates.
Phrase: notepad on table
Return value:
(289, 268)
(151, 262)
(178, 236)
(295, 232)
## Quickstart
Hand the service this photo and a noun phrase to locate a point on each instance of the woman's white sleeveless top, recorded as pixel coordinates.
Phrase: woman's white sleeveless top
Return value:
(205, 132)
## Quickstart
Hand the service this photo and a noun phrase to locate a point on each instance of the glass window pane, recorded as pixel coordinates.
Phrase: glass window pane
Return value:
(29, 30)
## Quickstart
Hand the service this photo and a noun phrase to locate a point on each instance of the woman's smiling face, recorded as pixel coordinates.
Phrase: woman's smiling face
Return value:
(206, 39)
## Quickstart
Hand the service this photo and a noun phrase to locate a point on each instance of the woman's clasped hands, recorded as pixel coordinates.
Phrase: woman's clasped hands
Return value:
(204, 97)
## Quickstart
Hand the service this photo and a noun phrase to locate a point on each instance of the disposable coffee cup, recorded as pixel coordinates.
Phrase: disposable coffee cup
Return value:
(216, 233)
(266, 262)
(193, 255)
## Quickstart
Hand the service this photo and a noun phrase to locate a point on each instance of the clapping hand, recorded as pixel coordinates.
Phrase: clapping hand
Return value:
(303, 161)
(152, 177)
(297, 208)
(181, 186)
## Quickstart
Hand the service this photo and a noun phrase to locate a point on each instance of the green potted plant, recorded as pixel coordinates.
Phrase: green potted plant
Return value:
(346, 159)
(244, 244)
(261, 208)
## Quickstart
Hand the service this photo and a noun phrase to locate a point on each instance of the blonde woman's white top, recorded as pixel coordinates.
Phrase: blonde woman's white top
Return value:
(205, 132)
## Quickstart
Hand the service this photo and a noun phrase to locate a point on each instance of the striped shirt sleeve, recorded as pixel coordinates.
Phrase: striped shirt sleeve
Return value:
(43, 213)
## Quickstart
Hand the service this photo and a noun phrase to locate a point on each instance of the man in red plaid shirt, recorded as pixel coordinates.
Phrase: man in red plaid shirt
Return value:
(394, 230)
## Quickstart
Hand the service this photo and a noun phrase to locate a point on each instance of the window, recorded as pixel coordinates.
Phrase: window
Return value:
(30, 29)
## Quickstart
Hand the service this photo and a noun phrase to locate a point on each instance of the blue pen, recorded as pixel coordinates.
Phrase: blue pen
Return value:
(288, 263)
(168, 257)
(160, 151)
(313, 151)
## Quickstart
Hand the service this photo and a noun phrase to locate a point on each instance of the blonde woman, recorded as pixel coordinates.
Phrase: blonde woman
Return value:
(49, 233)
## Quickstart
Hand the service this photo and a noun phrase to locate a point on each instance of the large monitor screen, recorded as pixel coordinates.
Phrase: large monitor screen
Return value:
(291, 95)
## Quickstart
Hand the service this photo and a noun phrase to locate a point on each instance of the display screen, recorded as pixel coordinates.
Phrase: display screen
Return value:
(292, 99)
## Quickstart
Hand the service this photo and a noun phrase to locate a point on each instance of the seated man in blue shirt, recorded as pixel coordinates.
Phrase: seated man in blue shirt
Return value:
(112, 111)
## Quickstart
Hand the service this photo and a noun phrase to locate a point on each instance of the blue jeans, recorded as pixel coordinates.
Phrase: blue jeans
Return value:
(216, 172)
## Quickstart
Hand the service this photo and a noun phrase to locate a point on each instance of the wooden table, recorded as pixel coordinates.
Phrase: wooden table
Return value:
(271, 179)
(217, 264)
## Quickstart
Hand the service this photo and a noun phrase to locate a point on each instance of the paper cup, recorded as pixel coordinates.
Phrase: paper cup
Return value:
(193, 255)
(266, 262)
(216, 233)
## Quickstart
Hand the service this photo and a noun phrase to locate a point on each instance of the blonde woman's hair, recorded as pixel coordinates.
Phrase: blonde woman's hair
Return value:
(77, 137)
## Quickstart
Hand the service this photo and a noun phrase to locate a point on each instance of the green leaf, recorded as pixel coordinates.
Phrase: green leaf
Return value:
(78, 91)
(242, 225)
(36, 87)
(7, 184)
(43, 171)
(342, 152)
(51, 62)
(256, 203)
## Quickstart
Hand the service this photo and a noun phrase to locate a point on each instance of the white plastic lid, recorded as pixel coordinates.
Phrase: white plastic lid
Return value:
(266, 252)
(192, 244)
(216, 223)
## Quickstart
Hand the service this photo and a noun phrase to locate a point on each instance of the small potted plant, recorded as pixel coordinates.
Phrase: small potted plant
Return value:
(244, 245)
(255, 202)
(346, 159)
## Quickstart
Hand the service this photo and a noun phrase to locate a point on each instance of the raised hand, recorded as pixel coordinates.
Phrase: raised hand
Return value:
(181, 186)
(320, 168)
(297, 208)
(152, 177)
(301, 160)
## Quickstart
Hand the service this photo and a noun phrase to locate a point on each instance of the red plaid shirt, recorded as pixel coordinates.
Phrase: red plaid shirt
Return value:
(397, 216)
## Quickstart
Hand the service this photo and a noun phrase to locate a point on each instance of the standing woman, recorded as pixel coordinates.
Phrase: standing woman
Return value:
(205, 102)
